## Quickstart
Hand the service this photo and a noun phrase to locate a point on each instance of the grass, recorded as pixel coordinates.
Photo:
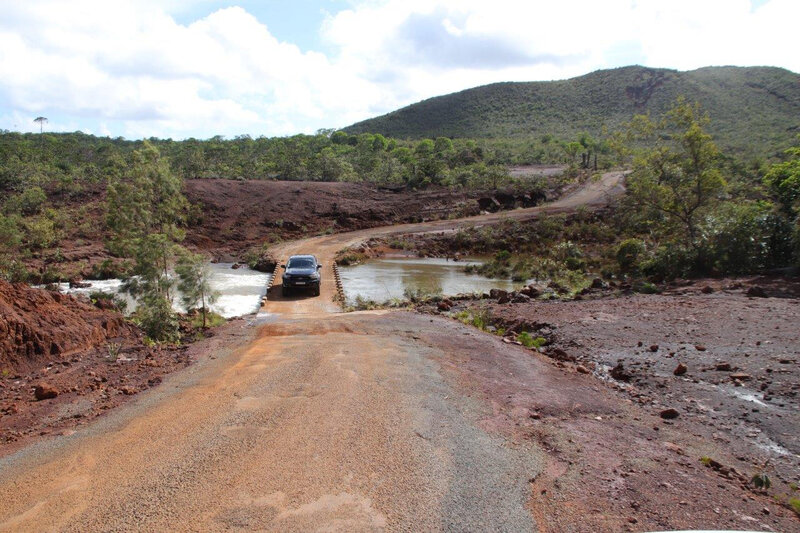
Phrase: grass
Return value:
(794, 503)
(212, 320)
(528, 341)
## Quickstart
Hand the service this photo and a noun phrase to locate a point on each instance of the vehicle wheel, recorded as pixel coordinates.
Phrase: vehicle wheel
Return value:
(284, 291)
(316, 291)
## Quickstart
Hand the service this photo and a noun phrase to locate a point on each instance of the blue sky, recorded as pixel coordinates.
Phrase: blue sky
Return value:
(181, 68)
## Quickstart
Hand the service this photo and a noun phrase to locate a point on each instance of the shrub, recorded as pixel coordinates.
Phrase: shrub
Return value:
(28, 202)
(628, 253)
(743, 238)
(794, 503)
(157, 319)
(40, 232)
(528, 341)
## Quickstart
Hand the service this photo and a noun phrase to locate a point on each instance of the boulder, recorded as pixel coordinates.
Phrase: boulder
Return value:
(497, 293)
(534, 291)
(756, 292)
(669, 414)
(521, 299)
(43, 391)
(619, 373)
(598, 283)
(680, 370)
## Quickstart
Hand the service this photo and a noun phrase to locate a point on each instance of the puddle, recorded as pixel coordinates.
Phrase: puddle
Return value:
(240, 290)
(385, 279)
(743, 394)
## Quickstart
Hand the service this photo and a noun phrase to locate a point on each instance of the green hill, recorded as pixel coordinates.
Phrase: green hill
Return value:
(753, 109)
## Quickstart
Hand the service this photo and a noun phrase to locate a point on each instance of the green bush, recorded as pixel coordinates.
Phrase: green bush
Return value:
(794, 503)
(157, 319)
(40, 232)
(744, 238)
(628, 254)
(28, 202)
(528, 341)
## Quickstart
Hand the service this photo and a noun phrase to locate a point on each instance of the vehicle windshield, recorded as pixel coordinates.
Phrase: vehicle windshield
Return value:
(300, 263)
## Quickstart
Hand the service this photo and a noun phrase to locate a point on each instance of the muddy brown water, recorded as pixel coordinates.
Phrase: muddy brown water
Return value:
(381, 280)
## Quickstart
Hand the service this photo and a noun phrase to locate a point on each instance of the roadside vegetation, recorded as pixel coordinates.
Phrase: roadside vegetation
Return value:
(689, 211)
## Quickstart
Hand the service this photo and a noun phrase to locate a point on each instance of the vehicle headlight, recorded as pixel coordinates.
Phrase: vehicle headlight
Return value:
(315, 275)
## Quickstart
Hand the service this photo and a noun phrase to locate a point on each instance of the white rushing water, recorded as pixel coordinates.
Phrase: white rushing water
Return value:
(240, 290)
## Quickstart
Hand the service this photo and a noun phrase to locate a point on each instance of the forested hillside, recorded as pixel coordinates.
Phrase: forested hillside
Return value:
(755, 110)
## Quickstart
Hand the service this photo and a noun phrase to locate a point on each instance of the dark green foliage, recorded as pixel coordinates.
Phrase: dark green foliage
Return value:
(678, 173)
(755, 109)
(145, 208)
(784, 180)
(157, 319)
(628, 254)
(761, 481)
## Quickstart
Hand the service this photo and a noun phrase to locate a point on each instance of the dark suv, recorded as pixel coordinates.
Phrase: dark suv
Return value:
(302, 272)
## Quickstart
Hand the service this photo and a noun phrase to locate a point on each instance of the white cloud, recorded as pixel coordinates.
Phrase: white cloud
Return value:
(128, 64)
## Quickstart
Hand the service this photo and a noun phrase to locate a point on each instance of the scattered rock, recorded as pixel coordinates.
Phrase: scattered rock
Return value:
(680, 369)
(598, 283)
(129, 391)
(654, 347)
(740, 376)
(722, 367)
(708, 289)
(619, 373)
(756, 292)
(700, 348)
(669, 414)
(443, 306)
(497, 293)
(43, 391)
(78, 283)
(582, 369)
(521, 299)
(236, 266)
(559, 355)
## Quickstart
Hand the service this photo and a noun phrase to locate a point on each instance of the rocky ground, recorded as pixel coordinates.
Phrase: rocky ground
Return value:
(714, 362)
(64, 361)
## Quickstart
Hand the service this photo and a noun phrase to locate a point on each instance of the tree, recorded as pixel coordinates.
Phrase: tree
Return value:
(784, 180)
(678, 173)
(145, 208)
(195, 282)
(41, 121)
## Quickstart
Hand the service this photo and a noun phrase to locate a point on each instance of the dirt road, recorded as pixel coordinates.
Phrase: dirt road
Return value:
(326, 421)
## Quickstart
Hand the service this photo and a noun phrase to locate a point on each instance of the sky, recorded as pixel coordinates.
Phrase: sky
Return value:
(179, 69)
